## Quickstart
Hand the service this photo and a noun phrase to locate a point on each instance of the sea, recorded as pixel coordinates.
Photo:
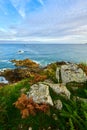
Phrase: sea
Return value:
(42, 53)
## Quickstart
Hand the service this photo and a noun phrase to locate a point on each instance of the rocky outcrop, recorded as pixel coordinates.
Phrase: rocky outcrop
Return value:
(59, 72)
(40, 93)
(23, 73)
(61, 90)
(16, 74)
(71, 72)
(25, 63)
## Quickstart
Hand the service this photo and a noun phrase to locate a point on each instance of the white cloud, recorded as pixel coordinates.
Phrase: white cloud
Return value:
(41, 2)
(20, 6)
(58, 21)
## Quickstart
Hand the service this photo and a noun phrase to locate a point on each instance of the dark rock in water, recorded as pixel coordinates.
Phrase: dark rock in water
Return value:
(16, 74)
(3, 80)
(20, 51)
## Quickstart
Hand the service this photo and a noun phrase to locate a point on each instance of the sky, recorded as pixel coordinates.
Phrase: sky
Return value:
(44, 21)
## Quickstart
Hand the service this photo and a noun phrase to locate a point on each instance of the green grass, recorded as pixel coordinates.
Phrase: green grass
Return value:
(84, 63)
(73, 116)
(10, 117)
(81, 89)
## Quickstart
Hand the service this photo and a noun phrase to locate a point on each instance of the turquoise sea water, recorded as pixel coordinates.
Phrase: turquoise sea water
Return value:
(42, 53)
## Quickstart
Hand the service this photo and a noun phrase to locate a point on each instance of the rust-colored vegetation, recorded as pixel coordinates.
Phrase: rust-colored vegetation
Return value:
(25, 63)
(28, 107)
(37, 78)
(83, 66)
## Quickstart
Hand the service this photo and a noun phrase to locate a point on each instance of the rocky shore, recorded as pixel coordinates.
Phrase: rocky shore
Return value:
(55, 76)
(60, 72)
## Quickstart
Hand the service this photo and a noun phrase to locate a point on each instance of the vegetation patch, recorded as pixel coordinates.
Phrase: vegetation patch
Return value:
(18, 112)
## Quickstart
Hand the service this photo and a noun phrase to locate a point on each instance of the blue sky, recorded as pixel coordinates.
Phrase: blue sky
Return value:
(46, 21)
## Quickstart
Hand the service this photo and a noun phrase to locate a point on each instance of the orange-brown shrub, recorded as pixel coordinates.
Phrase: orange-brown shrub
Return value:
(38, 78)
(28, 107)
(83, 67)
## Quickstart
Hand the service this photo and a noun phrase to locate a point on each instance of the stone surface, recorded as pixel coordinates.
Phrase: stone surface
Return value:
(61, 90)
(71, 72)
(57, 74)
(82, 99)
(40, 93)
(30, 128)
(58, 104)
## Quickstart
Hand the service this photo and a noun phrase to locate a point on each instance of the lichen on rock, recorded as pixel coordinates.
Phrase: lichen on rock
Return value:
(71, 72)
(40, 93)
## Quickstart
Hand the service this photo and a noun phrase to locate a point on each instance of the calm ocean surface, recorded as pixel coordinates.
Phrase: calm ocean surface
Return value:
(42, 53)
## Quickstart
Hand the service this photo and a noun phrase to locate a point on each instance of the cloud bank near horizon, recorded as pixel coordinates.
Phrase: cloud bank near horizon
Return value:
(50, 21)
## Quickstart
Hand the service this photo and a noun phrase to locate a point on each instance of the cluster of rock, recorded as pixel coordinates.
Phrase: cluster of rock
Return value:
(17, 74)
(67, 73)
(24, 69)
(40, 92)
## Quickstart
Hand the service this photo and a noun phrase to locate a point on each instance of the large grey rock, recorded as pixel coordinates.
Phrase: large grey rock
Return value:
(61, 90)
(40, 93)
(71, 72)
